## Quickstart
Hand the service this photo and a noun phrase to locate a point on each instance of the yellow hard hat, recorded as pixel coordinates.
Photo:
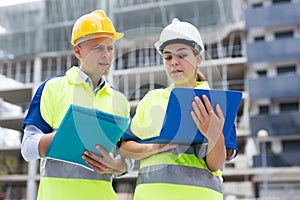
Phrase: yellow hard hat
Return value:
(93, 25)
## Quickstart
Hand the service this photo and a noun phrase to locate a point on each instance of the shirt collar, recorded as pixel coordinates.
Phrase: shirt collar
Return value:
(77, 76)
(87, 79)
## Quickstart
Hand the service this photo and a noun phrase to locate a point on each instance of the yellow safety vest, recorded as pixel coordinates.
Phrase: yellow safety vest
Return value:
(180, 173)
(61, 180)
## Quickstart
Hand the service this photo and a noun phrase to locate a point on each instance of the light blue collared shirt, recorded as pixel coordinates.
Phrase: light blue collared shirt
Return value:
(87, 79)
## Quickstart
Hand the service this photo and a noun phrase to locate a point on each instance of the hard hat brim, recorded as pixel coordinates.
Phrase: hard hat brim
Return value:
(160, 45)
(114, 35)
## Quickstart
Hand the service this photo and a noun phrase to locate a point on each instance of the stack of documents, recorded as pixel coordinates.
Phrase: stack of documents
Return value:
(82, 129)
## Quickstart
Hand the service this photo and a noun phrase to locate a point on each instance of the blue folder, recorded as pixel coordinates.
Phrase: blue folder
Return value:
(179, 126)
(82, 129)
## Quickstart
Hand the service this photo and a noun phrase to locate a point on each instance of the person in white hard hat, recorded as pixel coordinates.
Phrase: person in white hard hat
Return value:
(171, 171)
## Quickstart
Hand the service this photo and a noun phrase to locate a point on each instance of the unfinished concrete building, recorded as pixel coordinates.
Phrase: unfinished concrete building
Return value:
(248, 48)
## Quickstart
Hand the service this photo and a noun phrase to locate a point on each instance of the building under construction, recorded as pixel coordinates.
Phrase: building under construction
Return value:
(251, 46)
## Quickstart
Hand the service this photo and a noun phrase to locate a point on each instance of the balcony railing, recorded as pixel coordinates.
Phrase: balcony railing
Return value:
(269, 16)
(273, 87)
(278, 125)
(277, 50)
(147, 57)
(285, 159)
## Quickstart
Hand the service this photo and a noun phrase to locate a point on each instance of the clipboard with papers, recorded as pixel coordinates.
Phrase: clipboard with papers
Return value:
(179, 127)
(82, 129)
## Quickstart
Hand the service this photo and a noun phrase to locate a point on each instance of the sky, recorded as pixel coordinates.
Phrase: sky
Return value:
(13, 2)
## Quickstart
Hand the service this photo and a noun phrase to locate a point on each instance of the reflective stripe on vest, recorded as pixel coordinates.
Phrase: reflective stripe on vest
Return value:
(59, 169)
(189, 176)
(184, 165)
(199, 150)
(187, 159)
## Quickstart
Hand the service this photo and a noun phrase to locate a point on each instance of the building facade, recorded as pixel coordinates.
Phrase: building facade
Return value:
(273, 57)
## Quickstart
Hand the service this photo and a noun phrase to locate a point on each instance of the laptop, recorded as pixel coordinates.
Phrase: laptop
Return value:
(179, 127)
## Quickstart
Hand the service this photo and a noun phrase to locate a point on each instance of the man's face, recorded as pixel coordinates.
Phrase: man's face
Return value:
(95, 55)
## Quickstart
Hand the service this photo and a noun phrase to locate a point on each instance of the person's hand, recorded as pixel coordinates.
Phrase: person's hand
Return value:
(45, 143)
(209, 123)
(137, 151)
(104, 164)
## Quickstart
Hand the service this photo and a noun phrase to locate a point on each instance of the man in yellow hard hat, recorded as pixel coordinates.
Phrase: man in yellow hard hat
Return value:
(93, 40)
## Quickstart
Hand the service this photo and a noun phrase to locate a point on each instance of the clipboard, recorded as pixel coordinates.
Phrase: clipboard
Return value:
(179, 127)
(82, 129)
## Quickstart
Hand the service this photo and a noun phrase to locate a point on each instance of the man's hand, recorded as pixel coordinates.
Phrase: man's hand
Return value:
(104, 164)
(45, 142)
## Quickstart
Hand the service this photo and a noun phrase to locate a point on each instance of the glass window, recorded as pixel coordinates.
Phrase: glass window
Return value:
(257, 5)
(281, 1)
(289, 107)
(291, 146)
(264, 109)
(283, 70)
(262, 73)
(259, 38)
(284, 34)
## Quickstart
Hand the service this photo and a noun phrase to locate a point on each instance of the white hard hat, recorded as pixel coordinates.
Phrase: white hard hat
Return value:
(180, 32)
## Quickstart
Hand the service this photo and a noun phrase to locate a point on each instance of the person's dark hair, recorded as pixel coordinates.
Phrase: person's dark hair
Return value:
(195, 52)
(200, 76)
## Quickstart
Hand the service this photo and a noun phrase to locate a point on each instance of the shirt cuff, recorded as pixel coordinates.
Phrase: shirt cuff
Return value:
(129, 164)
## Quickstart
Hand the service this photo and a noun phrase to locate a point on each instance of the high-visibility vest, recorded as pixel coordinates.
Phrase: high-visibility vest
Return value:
(61, 180)
(180, 173)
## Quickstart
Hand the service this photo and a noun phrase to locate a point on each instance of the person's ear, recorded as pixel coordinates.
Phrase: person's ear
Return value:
(199, 59)
(77, 52)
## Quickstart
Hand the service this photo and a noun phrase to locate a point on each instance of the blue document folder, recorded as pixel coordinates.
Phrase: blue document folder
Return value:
(82, 129)
(179, 126)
